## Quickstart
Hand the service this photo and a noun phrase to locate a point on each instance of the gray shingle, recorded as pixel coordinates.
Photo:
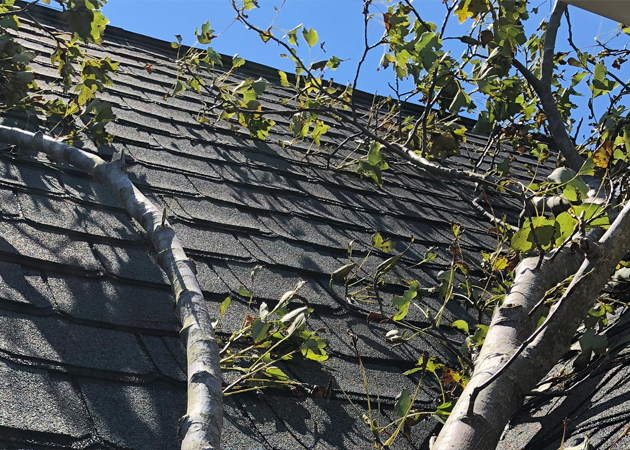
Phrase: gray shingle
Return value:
(60, 341)
(163, 358)
(132, 263)
(160, 179)
(88, 190)
(18, 285)
(8, 203)
(218, 214)
(154, 410)
(21, 239)
(296, 256)
(64, 214)
(28, 395)
(212, 242)
(231, 194)
(114, 303)
(313, 424)
(31, 177)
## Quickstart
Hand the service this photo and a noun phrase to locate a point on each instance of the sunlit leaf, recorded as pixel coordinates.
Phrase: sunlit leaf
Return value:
(284, 80)
(461, 325)
(225, 305)
(310, 36)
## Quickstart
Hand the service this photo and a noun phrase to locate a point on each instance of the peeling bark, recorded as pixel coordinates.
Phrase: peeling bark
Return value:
(200, 428)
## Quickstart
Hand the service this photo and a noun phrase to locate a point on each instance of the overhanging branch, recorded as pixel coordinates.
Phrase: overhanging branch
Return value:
(542, 87)
(480, 415)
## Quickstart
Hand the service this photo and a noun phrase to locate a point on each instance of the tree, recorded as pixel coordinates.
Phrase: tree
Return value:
(521, 89)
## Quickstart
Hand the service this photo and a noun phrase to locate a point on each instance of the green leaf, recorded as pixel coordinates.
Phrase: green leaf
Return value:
(250, 4)
(443, 411)
(588, 169)
(320, 129)
(84, 96)
(298, 322)
(284, 80)
(386, 266)
(237, 61)
(310, 36)
(244, 292)
(225, 305)
(469, 40)
(461, 100)
(179, 87)
(504, 167)
(276, 374)
(287, 296)
(205, 35)
(313, 348)
(598, 343)
(402, 302)
(521, 241)
(590, 211)
(319, 65)
(255, 271)
(461, 325)
(259, 330)
(292, 35)
(403, 403)
(386, 245)
(334, 62)
(565, 226)
(600, 71)
(455, 227)
(341, 273)
(374, 156)
(259, 85)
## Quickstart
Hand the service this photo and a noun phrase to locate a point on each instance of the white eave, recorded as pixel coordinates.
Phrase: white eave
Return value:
(617, 10)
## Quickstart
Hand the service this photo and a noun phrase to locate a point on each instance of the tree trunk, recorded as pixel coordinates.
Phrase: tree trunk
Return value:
(513, 331)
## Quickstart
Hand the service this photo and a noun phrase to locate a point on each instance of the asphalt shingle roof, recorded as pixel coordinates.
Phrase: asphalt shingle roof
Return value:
(90, 355)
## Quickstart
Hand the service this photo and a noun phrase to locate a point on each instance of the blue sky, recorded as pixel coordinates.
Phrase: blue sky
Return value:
(339, 24)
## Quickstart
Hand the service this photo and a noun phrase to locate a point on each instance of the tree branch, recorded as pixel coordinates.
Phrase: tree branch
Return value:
(549, 47)
(201, 426)
(489, 400)
(542, 87)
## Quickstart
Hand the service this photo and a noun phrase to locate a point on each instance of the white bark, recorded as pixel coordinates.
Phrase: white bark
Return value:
(480, 427)
(200, 428)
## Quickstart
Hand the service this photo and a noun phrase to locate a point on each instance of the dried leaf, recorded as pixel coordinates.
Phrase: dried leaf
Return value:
(486, 36)
(386, 17)
(376, 316)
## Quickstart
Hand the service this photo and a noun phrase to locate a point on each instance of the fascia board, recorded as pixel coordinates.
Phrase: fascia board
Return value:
(617, 10)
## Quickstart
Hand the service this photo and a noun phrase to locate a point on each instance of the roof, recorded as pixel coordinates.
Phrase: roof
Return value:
(618, 10)
(90, 355)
